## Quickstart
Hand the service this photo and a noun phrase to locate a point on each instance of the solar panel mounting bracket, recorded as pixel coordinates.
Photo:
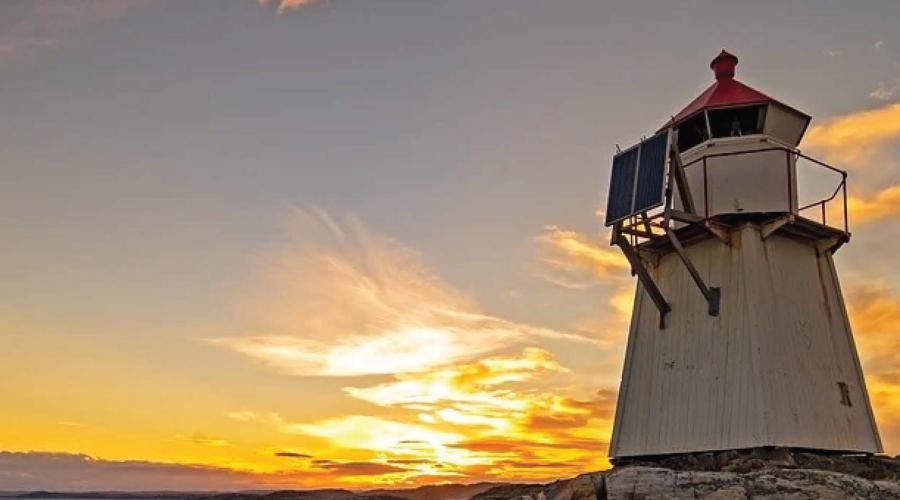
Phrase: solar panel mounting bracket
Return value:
(711, 294)
(638, 268)
(689, 216)
(677, 170)
(630, 219)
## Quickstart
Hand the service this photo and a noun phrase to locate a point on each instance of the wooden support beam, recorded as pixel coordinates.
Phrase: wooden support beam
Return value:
(687, 217)
(677, 169)
(637, 267)
(711, 294)
(646, 221)
(670, 195)
(827, 245)
(770, 227)
(718, 231)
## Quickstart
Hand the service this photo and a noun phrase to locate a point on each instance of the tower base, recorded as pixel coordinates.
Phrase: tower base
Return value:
(776, 368)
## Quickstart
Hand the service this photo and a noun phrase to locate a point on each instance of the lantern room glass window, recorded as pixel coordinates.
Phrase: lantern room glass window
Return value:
(736, 122)
(692, 132)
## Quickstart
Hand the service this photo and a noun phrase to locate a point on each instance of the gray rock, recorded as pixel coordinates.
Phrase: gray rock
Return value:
(765, 474)
(649, 483)
(728, 493)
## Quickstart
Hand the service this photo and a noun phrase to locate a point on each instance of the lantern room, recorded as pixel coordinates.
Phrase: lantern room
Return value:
(732, 141)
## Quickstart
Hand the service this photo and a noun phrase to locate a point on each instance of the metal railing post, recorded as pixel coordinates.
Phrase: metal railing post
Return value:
(844, 189)
(787, 157)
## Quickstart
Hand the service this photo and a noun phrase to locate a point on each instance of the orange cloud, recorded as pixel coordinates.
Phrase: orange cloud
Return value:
(286, 5)
(471, 421)
(884, 390)
(875, 314)
(856, 140)
(853, 138)
(339, 301)
(574, 260)
(501, 414)
(883, 204)
(362, 468)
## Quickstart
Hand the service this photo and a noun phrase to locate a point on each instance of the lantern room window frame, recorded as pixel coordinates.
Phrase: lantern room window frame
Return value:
(709, 124)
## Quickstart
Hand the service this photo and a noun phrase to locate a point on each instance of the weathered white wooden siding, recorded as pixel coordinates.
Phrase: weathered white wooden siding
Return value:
(762, 181)
(765, 372)
(785, 124)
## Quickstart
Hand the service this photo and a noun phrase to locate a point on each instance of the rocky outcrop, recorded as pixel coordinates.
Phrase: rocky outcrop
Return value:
(637, 482)
(760, 474)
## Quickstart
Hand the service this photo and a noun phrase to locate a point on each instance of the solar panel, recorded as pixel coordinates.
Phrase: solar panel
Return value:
(621, 186)
(638, 178)
(651, 175)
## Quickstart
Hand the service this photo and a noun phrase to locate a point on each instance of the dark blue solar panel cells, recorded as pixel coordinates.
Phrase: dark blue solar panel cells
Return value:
(638, 178)
(651, 173)
(621, 186)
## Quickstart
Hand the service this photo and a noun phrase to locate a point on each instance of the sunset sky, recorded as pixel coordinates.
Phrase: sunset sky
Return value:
(356, 243)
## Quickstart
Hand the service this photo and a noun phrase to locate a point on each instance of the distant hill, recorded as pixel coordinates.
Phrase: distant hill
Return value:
(430, 492)
(437, 491)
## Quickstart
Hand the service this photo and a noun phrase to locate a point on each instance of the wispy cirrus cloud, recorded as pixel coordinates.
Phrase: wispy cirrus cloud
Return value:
(340, 301)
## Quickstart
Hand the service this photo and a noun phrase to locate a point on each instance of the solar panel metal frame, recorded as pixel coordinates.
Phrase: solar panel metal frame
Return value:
(613, 217)
(621, 184)
(650, 178)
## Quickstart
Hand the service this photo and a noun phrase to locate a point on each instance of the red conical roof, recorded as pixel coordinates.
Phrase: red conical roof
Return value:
(725, 91)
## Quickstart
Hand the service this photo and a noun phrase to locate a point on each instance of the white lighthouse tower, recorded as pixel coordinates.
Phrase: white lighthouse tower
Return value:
(739, 335)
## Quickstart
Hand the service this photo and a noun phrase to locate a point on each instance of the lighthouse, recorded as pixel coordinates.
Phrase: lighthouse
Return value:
(739, 335)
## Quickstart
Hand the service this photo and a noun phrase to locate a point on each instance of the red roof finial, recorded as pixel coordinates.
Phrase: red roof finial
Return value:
(723, 65)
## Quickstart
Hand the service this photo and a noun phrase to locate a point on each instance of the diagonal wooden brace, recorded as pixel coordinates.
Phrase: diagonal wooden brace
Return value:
(711, 294)
(677, 170)
(637, 267)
